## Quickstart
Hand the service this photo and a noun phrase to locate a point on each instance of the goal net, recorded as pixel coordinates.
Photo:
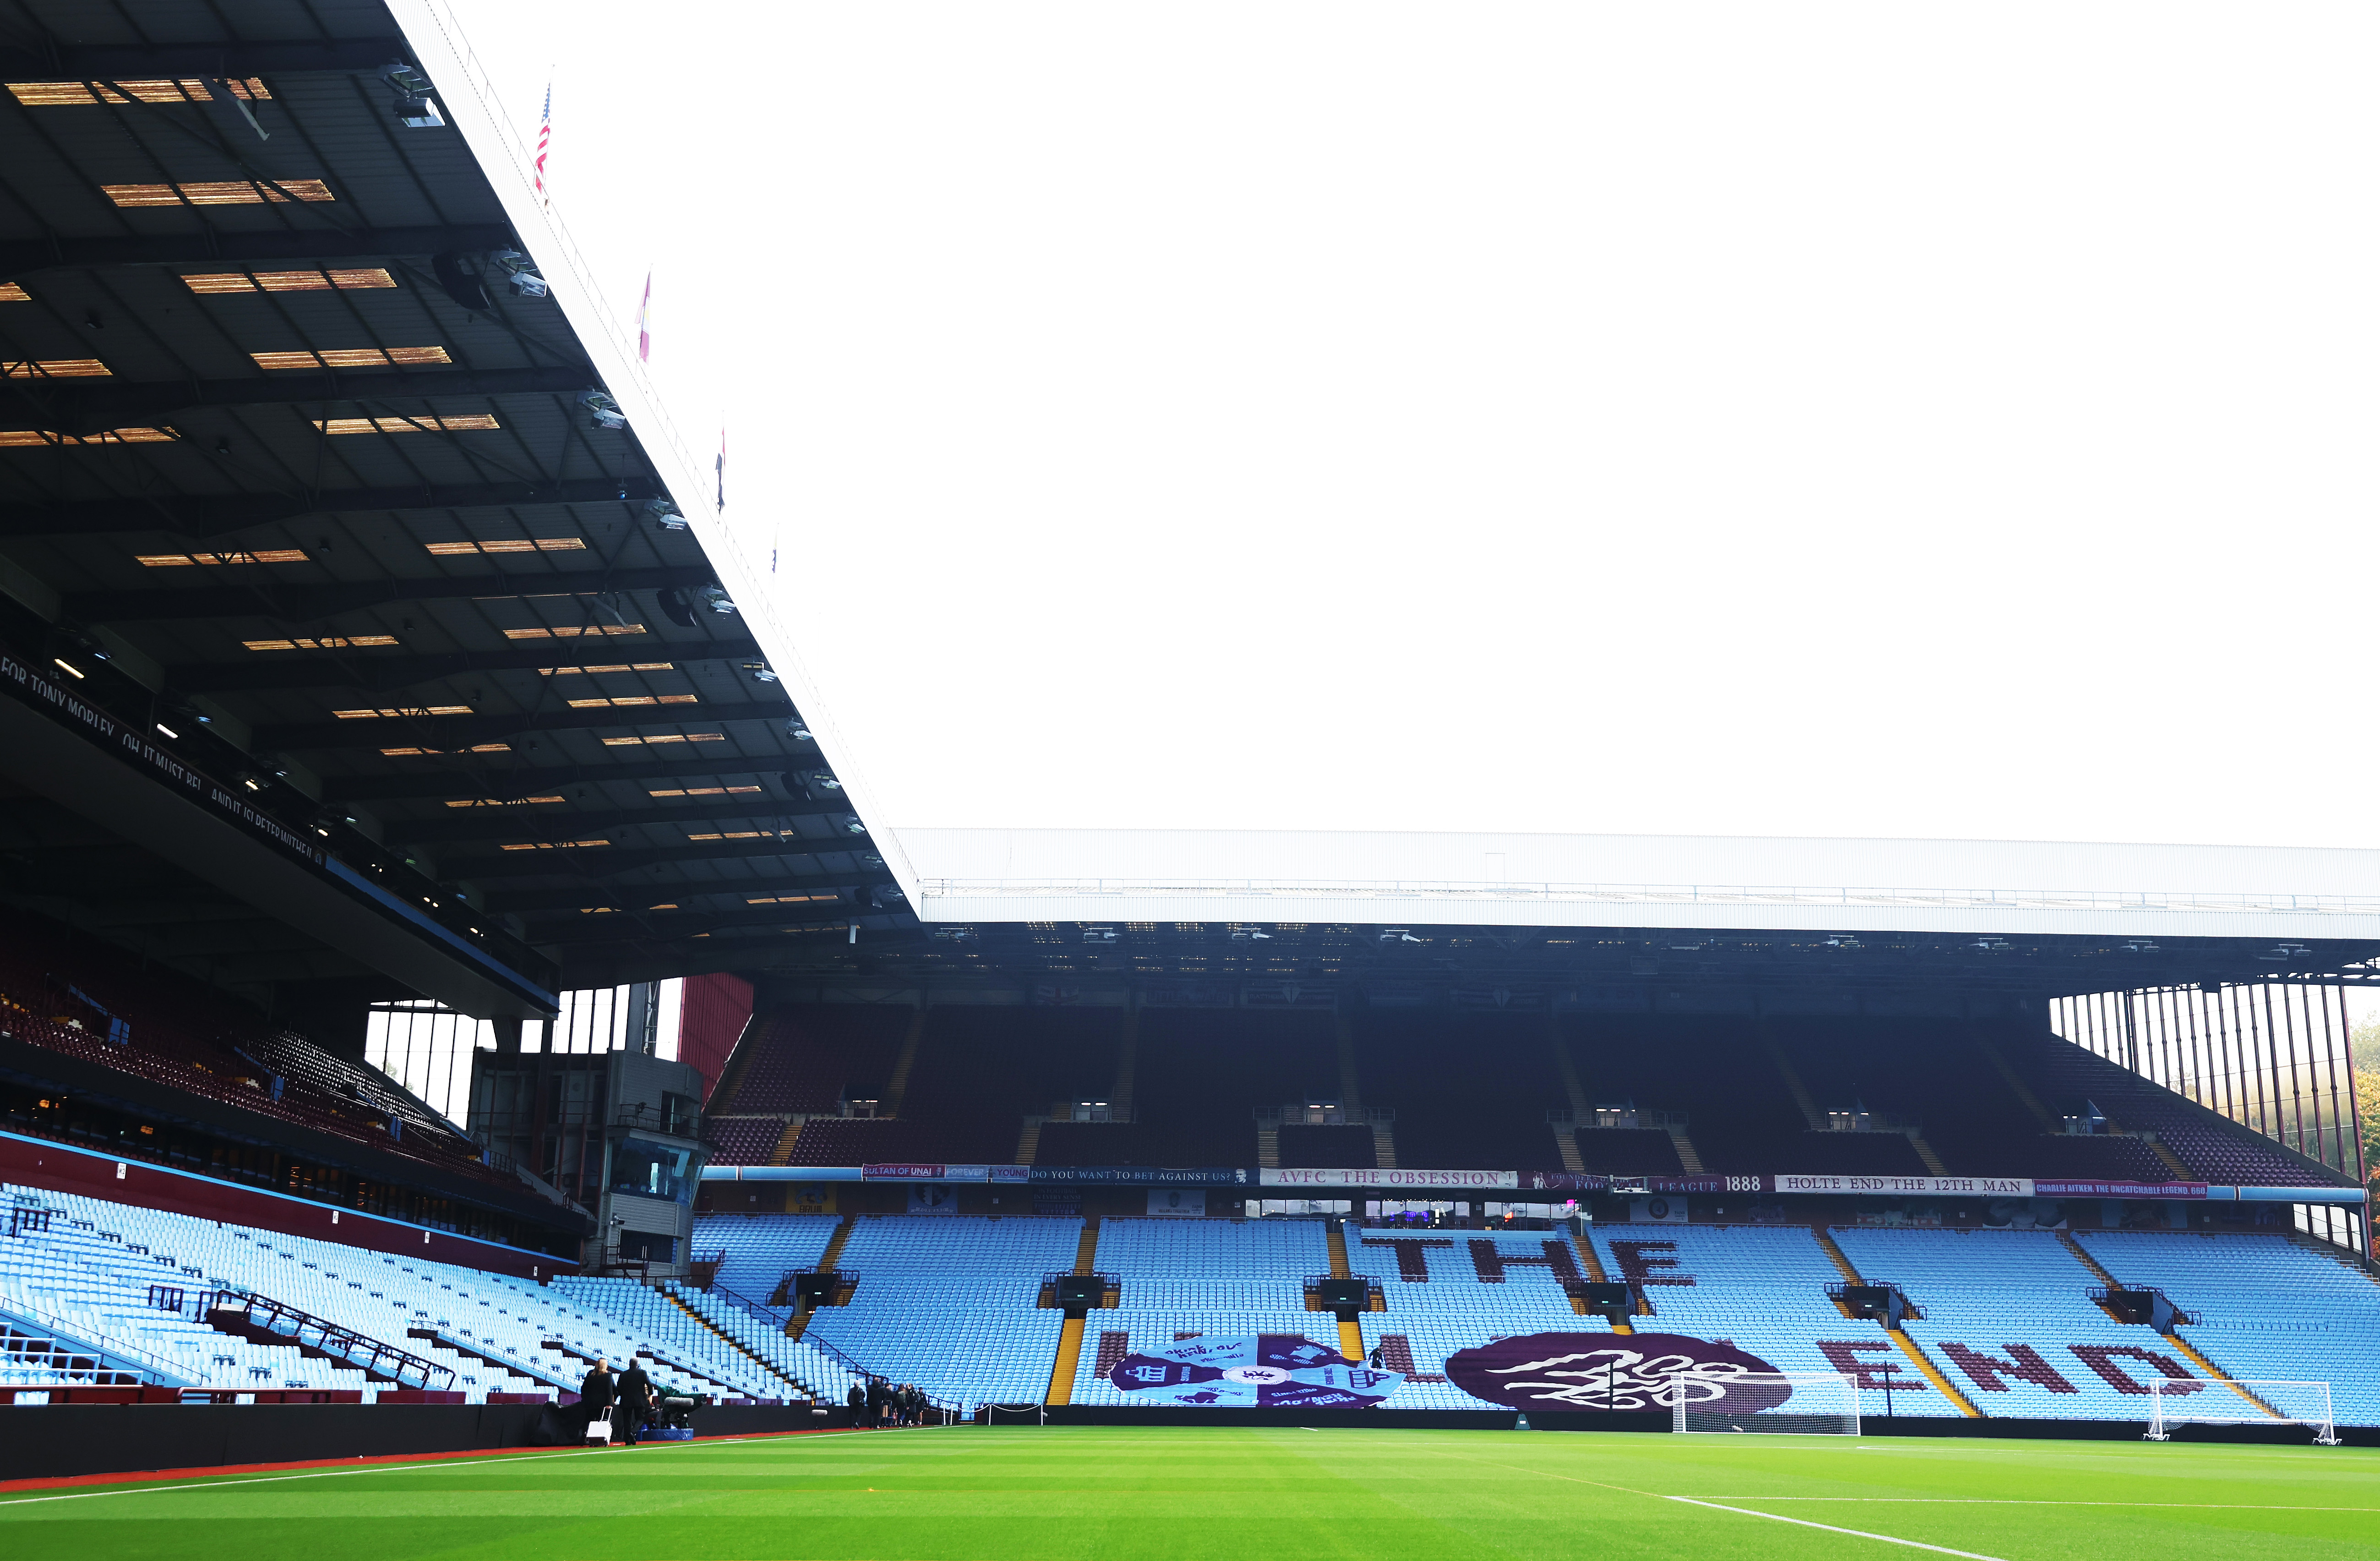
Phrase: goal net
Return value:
(1777, 1403)
(2239, 1401)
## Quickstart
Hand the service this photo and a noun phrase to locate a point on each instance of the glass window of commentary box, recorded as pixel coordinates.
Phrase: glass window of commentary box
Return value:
(655, 1170)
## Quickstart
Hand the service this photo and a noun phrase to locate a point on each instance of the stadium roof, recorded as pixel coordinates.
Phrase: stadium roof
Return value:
(346, 639)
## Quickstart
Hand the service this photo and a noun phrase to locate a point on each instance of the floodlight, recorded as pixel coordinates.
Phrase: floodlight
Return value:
(1099, 934)
(797, 730)
(602, 410)
(410, 100)
(761, 672)
(665, 514)
(715, 598)
(850, 824)
(518, 271)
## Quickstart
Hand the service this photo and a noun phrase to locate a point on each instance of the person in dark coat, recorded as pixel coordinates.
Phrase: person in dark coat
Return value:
(635, 1399)
(596, 1393)
(876, 1394)
(857, 1399)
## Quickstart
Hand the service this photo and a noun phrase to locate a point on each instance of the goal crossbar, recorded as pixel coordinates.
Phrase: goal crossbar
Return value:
(2240, 1401)
(1770, 1403)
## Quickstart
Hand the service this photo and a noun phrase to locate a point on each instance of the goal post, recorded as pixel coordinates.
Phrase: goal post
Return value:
(2239, 1401)
(1771, 1403)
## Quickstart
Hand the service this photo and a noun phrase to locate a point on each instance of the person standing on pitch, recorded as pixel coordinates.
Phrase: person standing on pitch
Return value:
(636, 1398)
(876, 1396)
(858, 1401)
(596, 1391)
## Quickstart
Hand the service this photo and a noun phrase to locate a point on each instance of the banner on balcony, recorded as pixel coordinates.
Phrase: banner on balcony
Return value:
(1251, 1371)
(1460, 1181)
(1177, 1202)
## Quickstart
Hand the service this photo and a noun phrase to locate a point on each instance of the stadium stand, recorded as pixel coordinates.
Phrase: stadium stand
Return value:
(163, 1028)
(1186, 1276)
(2008, 1316)
(1763, 1289)
(815, 1056)
(755, 1252)
(949, 1303)
(134, 1282)
(1466, 1087)
(1439, 1299)
(743, 1140)
(2262, 1306)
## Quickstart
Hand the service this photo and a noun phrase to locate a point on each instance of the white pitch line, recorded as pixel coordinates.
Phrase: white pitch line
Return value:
(1860, 1534)
(2027, 1501)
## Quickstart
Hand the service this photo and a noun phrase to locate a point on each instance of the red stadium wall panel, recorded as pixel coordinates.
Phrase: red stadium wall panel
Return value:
(712, 1020)
(64, 1168)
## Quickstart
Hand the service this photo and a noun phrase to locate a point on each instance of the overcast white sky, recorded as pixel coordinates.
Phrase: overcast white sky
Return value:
(1842, 419)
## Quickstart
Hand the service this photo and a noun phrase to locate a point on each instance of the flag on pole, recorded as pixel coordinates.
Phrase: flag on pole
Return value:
(645, 322)
(723, 468)
(544, 136)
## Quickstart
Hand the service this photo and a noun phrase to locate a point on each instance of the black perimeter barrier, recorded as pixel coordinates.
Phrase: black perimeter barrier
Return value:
(58, 1441)
(1660, 1420)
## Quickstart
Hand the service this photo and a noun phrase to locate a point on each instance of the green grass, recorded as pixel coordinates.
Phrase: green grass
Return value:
(1091, 1494)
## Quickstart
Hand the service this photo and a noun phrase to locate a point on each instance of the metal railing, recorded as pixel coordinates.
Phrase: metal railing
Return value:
(1844, 897)
(307, 1331)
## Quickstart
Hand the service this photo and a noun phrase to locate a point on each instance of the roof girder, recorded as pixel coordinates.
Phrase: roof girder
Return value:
(87, 406)
(462, 731)
(239, 251)
(197, 515)
(495, 782)
(309, 604)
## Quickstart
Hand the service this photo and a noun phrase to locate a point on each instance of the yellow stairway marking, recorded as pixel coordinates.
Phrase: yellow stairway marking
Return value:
(1909, 1347)
(1919, 1359)
(1070, 1334)
(1336, 1243)
(1070, 1355)
(2219, 1374)
(1926, 1155)
(1351, 1338)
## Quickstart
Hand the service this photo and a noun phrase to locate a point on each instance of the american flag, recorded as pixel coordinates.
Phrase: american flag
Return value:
(544, 135)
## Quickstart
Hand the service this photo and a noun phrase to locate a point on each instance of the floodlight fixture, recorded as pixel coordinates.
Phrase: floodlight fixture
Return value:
(762, 673)
(850, 824)
(409, 99)
(518, 272)
(167, 730)
(665, 514)
(715, 598)
(1099, 934)
(602, 410)
(798, 731)
(2141, 946)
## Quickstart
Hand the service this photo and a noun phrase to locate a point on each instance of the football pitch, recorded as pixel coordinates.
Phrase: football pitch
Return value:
(1099, 1494)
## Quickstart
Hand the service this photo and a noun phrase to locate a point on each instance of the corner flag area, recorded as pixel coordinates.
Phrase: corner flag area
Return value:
(1093, 1493)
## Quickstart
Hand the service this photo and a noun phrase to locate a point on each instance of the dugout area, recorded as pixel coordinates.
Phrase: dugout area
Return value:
(1109, 1492)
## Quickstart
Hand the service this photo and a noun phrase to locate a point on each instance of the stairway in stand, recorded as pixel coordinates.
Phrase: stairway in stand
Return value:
(800, 1322)
(1907, 1345)
(1070, 1332)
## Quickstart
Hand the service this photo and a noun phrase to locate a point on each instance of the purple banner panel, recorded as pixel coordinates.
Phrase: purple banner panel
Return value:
(1251, 1371)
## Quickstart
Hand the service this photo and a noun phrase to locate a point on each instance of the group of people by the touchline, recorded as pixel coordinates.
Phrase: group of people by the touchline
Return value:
(631, 1402)
(879, 1403)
